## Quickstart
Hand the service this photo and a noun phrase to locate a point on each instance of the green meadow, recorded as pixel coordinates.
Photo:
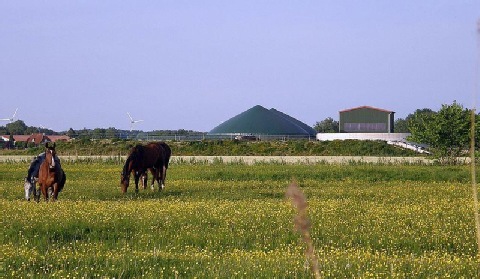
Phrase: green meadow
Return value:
(234, 221)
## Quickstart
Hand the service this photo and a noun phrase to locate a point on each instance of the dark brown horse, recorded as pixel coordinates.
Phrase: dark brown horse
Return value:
(143, 158)
(51, 177)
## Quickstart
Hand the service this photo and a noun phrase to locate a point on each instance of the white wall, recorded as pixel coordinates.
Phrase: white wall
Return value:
(363, 136)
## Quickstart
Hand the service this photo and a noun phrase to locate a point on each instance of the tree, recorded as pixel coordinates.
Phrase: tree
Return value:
(98, 133)
(111, 133)
(31, 130)
(401, 126)
(327, 126)
(17, 128)
(11, 142)
(71, 133)
(419, 123)
(446, 131)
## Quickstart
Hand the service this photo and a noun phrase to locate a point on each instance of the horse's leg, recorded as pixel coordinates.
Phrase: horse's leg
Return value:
(144, 180)
(154, 177)
(36, 193)
(34, 189)
(50, 191)
(137, 177)
(44, 192)
(55, 191)
(164, 176)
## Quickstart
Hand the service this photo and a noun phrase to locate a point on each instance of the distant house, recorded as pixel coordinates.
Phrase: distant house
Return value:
(55, 138)
(366, 119)
(16, 138)
(36, 139)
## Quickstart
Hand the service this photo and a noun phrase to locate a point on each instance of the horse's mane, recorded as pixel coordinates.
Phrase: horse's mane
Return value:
(135, 156)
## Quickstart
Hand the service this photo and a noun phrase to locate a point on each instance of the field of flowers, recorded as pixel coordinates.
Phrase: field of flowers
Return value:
(233, 221)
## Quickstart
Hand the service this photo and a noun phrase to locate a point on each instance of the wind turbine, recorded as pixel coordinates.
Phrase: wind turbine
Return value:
(132, 121)
(10, 120)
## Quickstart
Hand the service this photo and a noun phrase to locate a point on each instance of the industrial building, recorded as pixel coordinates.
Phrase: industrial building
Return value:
(261, 121)
(365, 123)
(366, 119)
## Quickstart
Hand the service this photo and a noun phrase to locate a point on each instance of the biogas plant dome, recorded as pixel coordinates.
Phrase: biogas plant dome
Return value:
(261, 121)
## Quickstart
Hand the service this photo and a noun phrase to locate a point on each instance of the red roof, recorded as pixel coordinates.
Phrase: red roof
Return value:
(54, 138)
(19, 138)
(36, 138)
(367, 107)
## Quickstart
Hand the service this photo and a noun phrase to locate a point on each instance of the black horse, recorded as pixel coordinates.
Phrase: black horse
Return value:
(154, 157)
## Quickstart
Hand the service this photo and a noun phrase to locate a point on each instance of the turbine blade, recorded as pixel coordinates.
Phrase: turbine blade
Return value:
(131, 119)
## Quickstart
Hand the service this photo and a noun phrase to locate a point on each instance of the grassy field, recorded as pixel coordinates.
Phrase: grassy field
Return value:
(233, 221)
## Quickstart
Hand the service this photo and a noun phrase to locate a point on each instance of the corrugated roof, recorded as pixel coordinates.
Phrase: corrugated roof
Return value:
(366, 107)
(259, 120)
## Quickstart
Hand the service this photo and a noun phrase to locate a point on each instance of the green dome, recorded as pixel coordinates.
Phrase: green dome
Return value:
(297, 122)
(259, 120)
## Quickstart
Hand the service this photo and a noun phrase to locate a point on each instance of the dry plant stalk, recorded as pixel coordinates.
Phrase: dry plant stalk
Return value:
(474, 180)
(302, 224)
(472, 148)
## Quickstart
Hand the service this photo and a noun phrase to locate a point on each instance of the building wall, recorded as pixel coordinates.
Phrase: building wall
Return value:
(363, 136)
(366, 120)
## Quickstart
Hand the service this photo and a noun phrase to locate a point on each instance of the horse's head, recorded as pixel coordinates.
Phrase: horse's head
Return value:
(124, 180)
(50, 155)
(127, 169)
(28, 189)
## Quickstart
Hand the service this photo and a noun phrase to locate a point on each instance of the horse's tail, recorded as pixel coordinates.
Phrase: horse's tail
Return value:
(158, 154)
(62, 182)
(167, 153)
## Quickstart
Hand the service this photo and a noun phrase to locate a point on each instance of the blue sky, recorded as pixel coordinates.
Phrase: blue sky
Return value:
(194, 64)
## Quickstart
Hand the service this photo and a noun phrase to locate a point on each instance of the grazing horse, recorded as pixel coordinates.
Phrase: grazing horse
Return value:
(142, 158)
(160, 172)
(51, 177)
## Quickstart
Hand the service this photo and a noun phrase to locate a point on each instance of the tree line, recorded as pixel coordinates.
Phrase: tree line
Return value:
(20, 128)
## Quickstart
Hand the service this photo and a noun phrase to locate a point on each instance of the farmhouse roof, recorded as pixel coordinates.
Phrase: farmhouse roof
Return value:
(367, 107)
(18, 138)
(259, 120)
(54, 138)
(36, 138)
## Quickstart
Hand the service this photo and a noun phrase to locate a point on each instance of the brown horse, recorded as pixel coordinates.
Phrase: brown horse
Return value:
(141, 159)
(51, 177)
